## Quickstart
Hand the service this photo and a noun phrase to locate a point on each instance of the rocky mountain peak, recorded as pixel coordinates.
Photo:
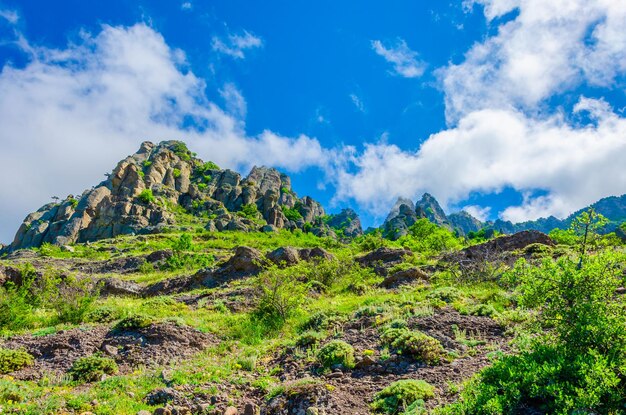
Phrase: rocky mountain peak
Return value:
(142, 191)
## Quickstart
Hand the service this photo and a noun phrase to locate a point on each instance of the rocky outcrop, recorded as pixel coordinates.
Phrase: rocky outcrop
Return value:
(139, 194)
(347, 221)
(287, 255)
(401, 217)
(508, 243)
(402, 277)
(464, 223)
(382, 259)
(428, 207)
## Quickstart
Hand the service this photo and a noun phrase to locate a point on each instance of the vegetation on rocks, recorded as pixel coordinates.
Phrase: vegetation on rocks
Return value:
(12, 360)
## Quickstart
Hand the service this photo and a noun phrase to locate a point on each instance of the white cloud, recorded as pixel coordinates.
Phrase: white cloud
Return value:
(479, 212)
(70, 114)
(235, 45)
(503, 133)
(357, 102)
(492, 149)
(403, 59)
(10, 16)
(187, 5)
(551, 47)
(235, 102)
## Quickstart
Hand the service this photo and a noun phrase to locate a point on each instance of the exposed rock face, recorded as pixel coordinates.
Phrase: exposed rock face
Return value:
(401, 217)
(135, 198)
(464, 223)
(429, 208)
(403, 277)
(382, 259)
(507, 243)
(347, 221)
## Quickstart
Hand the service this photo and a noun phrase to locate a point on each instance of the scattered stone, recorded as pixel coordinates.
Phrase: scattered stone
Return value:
(144, 412)
(162, 411)
(251, 409)
(118, 287)
(162, 396)
(231, 410)
(403, 277)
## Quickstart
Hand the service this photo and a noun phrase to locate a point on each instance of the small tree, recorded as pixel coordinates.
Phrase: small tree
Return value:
(586, 225)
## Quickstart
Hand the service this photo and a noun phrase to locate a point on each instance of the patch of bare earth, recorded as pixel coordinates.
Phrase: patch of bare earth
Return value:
(352, 391)
(158, 344)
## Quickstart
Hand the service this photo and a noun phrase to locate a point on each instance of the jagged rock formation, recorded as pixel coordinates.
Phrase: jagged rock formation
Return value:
(141, 193)
(347, 221)
(464, 223)
(401, 217)
(429, 208)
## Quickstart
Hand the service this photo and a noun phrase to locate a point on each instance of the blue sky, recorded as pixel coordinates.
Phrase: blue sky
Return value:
(507, 108)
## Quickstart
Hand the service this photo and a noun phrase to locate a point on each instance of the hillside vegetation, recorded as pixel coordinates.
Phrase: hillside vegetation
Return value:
(190, 319)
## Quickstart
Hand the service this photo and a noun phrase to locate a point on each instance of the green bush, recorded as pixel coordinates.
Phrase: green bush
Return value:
(103, 314)
(73, 202)
(92, 368)
(291, 213)
(323, 320)
(401, 395)
(280, 295)
(336, 352)
(577, 366)
(310, 338)
(12, 360)
(146, 196)
(176, 173)
(414, 343)
(181, 150)
(446, 294)
(134, 321)
(250, 211)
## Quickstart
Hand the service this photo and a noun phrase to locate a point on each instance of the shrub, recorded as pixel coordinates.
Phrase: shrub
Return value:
(73, 202)
(280, 294)
(336, 352)
(181, 150)
(72, 300)
(323, 320)
(209, 165)
(250, 211)
(401, 395)
(291, 213)
(147, 163)
(446, 294)
(414, 343)
(577, 366)
(92, 368)
(310, 338)
(176, 173)
(134, 321)
(146, 196)
(103, 314)
(12, 360)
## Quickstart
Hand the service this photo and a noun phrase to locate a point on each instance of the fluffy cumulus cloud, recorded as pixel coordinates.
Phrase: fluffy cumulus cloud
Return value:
(502, 131)
(70, 114)
(404, 60)
(235, 45)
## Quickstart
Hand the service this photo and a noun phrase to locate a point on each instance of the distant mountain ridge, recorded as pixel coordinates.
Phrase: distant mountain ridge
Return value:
(405, 213)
